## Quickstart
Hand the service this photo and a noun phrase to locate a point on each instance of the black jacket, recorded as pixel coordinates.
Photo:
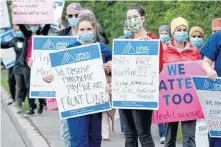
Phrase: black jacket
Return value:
(27, 33)
(19, 45)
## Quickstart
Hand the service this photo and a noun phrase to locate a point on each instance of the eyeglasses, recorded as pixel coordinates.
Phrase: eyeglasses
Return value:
(71, 15)
(195, 36)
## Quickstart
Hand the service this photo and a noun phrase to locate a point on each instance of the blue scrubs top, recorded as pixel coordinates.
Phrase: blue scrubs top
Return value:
(212, 50)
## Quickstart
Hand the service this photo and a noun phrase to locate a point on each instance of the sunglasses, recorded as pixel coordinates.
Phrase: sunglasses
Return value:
(71, 15)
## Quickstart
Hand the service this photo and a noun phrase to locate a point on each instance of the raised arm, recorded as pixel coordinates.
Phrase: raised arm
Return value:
(46, 29)
(7, 44)
(25, 31)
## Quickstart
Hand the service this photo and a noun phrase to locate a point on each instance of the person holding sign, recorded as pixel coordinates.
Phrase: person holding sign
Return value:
(179, 49)
(35, 29)
(85, 131)
(137, 123)
(19, 44)
(212, 54)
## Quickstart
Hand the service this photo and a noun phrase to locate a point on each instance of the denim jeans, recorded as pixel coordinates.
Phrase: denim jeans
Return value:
(161, 130)
(188, 132)
(85, 131)
(137, 124)
(65, 138)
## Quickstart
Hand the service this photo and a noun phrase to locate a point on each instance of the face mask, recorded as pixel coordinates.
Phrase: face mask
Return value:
(196, 41)
(164, 38)
(34, 29)
(135, 24)
(86, 37)
(19, 34)
(73, 21)
(180, 37)
(128, 33)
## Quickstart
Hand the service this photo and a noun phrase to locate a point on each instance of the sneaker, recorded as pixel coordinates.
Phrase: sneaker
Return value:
(40, 109)
(30, 113)
(162, 140)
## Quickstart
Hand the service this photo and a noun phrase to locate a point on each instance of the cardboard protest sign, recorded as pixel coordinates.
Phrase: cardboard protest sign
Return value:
(42, 46)
(5, 22)
(80, 81)
(178, 98)
(33, 12)
(135, 74)
(209, 93)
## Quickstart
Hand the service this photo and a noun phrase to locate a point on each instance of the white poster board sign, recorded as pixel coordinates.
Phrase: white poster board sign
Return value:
(135, 74)
(42, 46)
(209, 93)
(8, 57)
(80, 81)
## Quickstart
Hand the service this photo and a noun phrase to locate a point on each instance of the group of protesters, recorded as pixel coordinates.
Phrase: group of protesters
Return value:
(178, 43)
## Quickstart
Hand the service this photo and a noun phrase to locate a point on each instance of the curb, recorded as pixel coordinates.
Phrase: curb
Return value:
(27, 131)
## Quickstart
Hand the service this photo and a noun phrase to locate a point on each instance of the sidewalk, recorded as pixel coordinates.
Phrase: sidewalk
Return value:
(45, 127)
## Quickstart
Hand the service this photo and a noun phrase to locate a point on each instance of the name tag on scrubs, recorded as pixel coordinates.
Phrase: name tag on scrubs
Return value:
(19, 44)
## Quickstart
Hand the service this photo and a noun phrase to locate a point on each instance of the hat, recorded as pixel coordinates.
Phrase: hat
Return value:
(196, 29)
(216, 23)
(164, 28)
(73, 7)
(176, 22)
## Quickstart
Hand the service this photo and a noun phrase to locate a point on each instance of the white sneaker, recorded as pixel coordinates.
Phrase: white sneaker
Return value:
(162, 140)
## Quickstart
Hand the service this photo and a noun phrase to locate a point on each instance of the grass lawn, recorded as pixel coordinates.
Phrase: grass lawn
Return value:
(4, 83)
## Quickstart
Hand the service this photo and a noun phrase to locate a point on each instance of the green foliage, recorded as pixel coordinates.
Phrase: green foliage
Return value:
(111, 14)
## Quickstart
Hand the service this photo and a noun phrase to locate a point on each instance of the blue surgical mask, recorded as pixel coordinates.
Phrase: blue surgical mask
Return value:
(196, 41)
(34, 29)
(164, 38)
(128, 33)
(19, 34)
(86, 37)
(73, 21)
(180, 37)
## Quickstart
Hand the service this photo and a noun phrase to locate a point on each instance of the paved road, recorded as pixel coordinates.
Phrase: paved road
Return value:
(9, 135)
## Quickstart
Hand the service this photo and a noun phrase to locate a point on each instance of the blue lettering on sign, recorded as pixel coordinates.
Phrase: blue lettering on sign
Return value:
(178, 98)
(136, 47)
(52, 43)
(172, 69)
(179, 83)
(74, 55)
